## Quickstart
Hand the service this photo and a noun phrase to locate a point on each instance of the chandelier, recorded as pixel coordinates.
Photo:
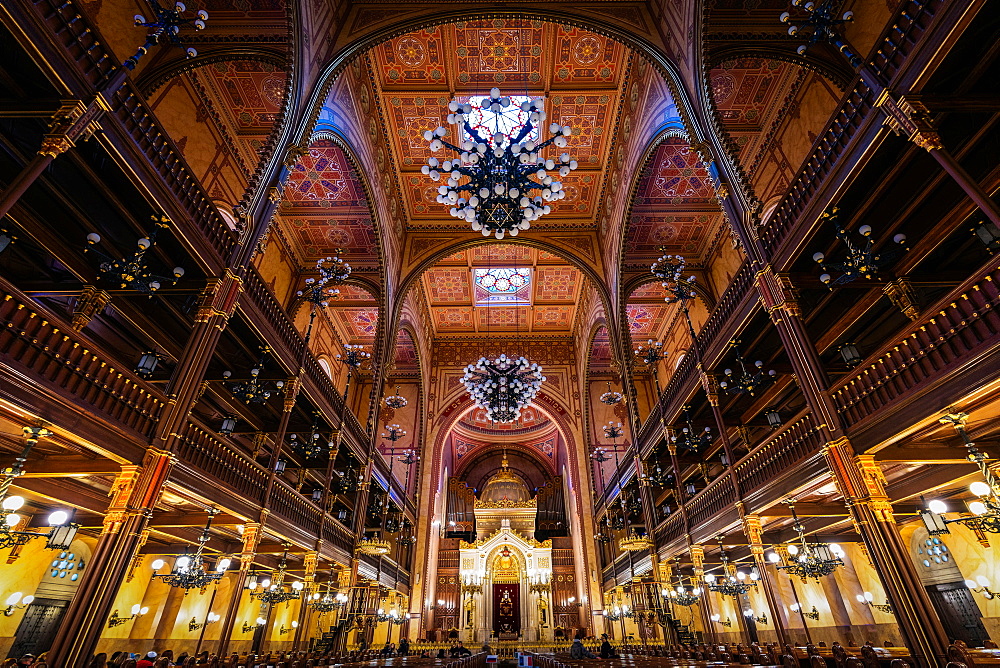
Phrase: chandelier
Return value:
(683, 596)
(62, 533)
(732, 582)
(670, 270)
(327, 601)
(618, 611)
(165, 27)
(396, 400)
(271, 589)
(374, 546)
(393, 432)
(611, 398)
(189, 571)
(687, 439)
(255, 390)
(985, 509)
(499, 167)
(613, 430)
(862, 261)
(822, 22)
(635, 543)
(503, 386)
(132, 273)
(811, 560)
(745, 382)
(354, 355)
(309, 446)
(318, 290)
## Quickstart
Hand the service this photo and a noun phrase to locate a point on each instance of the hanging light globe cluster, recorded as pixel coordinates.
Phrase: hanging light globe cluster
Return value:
(499, 183)
(503, 386)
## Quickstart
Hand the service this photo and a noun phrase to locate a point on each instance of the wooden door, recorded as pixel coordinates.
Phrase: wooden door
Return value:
(38, 627)
(959, 613)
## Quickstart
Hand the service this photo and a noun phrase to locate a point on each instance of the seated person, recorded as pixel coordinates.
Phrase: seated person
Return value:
(578, 651)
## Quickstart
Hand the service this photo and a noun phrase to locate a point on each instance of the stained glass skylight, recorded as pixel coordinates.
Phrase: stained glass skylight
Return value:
(502, 285)
(508, 121)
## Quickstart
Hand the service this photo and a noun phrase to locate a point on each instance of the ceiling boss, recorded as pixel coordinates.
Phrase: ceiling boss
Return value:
(501, 180)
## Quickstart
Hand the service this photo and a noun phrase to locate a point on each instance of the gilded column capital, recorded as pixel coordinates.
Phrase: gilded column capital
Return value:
(91, 301)
(910, 118)
(754, 529)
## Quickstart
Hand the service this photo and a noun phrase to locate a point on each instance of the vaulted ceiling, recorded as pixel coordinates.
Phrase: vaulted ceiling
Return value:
(579, 73)
(546, 304)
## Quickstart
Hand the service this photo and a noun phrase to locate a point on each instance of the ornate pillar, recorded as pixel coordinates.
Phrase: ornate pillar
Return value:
(217, 302)
(74, 121)
(859, 480)
(754, 531)
(862, 484)
(704, 605)
(909, 117)
(309, 563)
(251, 537)
(135, 492)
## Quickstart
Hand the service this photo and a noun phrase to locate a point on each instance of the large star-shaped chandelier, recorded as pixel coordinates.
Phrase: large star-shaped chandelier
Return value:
(503, 386)
(500, 181)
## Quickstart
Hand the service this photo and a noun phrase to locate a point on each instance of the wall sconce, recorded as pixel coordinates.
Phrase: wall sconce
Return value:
(247, 628)
(16, 602)
(868, 599)
(981, 585)
(283, 630)
(115, 620)
(717, 620)
(812, 614)
(194, 624)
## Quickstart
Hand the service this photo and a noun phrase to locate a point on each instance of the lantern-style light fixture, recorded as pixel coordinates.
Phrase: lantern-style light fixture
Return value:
(773, 418)
(228, 425)
(849, 354)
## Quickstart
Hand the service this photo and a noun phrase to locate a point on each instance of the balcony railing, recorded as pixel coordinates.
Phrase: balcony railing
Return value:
(955, 334)
(52, 354)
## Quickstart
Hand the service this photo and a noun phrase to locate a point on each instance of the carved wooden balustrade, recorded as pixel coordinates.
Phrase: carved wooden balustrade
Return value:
(960, 331)
(39, 346)
(732, 309)
(840, 145)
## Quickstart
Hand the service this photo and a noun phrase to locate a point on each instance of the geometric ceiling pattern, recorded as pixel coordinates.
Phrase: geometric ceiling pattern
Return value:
(354, 314)
(324, 207)
(749, 94)
(674, 207)
(647, 314)
(247, 96)
(579, 74)
(545, 304)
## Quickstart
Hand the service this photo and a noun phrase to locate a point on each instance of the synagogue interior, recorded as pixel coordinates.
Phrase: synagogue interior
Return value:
(443, 333)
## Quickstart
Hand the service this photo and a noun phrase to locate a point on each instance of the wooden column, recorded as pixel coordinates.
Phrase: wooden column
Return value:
(909, 117)
(135, 492)
(309, 562)
(698, 559)
(217, 302)
(859, 481)
(251, 537)
(74, 121)
(754, 530)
